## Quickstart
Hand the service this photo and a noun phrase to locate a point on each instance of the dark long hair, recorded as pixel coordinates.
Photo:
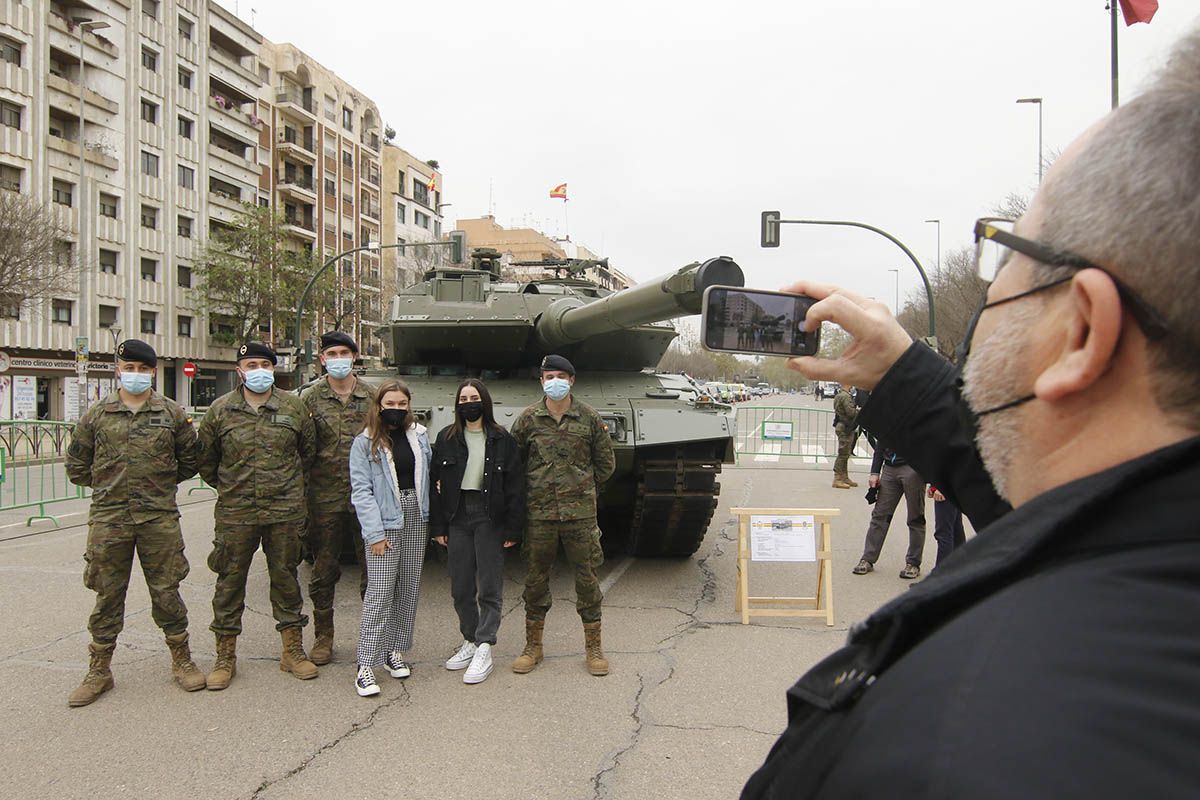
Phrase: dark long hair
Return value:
(377, 432)
(489, 417)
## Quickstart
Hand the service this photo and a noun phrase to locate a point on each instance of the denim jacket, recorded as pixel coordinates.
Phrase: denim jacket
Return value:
(373, 488)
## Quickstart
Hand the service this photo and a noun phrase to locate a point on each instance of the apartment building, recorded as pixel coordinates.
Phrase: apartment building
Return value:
(412, 214)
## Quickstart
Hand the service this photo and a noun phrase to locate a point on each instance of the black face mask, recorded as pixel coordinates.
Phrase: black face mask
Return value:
(471, 411)
(394, 417)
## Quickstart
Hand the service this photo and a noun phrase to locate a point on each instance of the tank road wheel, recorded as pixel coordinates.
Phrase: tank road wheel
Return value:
(674, 503)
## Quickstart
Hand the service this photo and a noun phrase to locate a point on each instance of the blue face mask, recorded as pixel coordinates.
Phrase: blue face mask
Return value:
(339, 367)
(259, 380)
(135, 382)
(557, 388)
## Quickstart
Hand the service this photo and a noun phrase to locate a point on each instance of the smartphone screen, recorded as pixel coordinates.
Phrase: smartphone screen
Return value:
(756, 322)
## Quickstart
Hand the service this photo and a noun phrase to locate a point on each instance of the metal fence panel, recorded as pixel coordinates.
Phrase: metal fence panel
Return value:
(797, 437)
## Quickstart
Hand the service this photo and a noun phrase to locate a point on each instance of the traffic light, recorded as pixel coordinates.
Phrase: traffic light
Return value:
(770, 229)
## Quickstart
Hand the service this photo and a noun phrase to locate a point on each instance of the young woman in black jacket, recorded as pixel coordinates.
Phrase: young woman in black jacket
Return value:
(477, 508)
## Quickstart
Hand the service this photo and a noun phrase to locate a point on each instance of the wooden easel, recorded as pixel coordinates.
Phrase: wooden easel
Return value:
(820, 604)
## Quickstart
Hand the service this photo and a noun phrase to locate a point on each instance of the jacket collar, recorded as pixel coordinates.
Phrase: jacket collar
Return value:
(239, 400)
(113, 402)
(325, 390)
(572, 410)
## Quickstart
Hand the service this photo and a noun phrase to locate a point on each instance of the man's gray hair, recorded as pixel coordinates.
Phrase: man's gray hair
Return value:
(1130, 201)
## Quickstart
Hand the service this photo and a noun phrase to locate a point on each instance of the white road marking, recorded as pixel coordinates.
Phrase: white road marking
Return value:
(771, 451)
(615, 575)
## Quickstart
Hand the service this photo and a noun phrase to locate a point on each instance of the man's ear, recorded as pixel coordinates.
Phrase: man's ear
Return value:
(1089, 330)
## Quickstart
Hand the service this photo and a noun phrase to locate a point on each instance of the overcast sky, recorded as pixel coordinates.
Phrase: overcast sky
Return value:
(676, 123)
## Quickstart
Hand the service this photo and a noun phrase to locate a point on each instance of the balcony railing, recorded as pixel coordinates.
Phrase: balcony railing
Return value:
(300, 222)
(298, 179)
(292, 136)
(296, 98)
(370, 139)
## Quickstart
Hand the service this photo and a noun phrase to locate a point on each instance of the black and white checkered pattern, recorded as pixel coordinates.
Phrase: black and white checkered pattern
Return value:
(393, 583)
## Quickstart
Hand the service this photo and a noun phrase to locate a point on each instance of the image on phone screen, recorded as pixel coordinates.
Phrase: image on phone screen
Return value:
(759, 322)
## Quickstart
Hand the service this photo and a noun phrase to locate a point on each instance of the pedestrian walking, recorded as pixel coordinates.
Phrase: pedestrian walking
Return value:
(845, 425)
(389, 487)
(133, 448)
(894, 478)
(338, 402)
(256, 444)
(948, 529)
(568, 456)
(477, 509)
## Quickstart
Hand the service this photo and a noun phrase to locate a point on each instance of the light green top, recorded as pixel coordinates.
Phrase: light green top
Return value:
(473, 474)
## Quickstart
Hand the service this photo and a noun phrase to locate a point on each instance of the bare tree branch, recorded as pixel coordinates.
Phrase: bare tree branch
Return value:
(35, 259)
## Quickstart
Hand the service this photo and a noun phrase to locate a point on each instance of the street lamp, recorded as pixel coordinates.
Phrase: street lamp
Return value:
(938, 264)
(1037, 100)
(83, 24)
(896, 272)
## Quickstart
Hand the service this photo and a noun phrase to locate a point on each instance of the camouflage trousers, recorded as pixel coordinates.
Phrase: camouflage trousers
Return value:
(234, 546)
(846, 439)
(109, 557)
(581, 542)
(328, 532)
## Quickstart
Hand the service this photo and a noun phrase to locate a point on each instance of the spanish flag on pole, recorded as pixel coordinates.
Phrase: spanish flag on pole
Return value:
(433, 183)
(559, 192)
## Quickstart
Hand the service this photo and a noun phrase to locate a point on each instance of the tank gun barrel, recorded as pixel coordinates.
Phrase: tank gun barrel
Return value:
(677, 294)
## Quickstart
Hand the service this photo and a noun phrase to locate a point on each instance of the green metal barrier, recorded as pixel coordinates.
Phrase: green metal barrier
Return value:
(799, 437)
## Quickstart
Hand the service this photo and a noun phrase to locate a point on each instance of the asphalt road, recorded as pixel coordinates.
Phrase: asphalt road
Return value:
(692, 705)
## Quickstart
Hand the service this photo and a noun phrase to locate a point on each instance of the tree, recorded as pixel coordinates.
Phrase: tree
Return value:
(957, 290)
(389, 134)
(35, 259)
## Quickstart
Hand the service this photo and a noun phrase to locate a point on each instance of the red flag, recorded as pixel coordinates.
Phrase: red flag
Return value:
(1138, 10)
(559, 192)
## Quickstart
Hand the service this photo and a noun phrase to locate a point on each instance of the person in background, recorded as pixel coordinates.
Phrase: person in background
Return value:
(845, 416)
(948, 529)
(477, 509)
(892, 475)
(389, 487)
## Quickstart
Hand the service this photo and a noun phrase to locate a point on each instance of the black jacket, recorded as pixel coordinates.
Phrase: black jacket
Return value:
(1053, 656)
(503, 482)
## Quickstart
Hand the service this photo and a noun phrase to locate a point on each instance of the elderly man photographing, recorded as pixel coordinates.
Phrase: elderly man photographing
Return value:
(1055, 656)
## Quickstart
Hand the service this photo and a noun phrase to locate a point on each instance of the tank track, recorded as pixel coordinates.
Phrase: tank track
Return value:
(674, 502)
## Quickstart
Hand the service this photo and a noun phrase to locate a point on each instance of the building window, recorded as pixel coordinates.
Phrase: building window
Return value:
(10, 114)
(421, 220)
(347, 119)
(9, 309)
(149, 321)
(108, 261)
(400, 183)
(63, 192)
(149, 164)
(347, 159)
(330, 187)
(63, 252)
(149, 112)
(186, 26)
(185, 127)
(150, 8)
(107, 316)
(185, 277)
(401, 214)
(185, 78)
(108, 205)
(149, 59)
(10, 178)
(60, 311)
(185, 327)
(10, 50)
(420, 192)
(149, 217)
(187, 177)
(183, 227)
(149, 269)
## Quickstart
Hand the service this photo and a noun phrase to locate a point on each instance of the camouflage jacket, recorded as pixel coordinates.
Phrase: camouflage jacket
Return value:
(337, 424)
(257, 460)
(566, 461)
(132, 461)
(845, 413)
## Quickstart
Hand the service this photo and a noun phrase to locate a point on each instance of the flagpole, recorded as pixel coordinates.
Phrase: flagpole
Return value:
(566, 223)
(1112, 5)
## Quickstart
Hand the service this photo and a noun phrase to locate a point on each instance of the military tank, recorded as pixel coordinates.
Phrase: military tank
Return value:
(470, 322)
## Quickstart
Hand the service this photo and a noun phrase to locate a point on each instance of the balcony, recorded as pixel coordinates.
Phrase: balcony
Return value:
(242, 123)
(94, 155)
(298, 185)
(57, 22)
(370, 139)
(293, 100)
(370, 210)
(70, 88)
(304, 227)
(222, 59)
(300, 146)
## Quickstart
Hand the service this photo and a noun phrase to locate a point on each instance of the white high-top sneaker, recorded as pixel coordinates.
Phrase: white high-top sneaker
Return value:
(462, 656)
(481, 665)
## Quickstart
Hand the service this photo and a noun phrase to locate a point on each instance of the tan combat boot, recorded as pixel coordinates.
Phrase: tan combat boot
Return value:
(322, 649)
(98, 679)
(225, 667)
(531, 656)
(843, 483)
(293, 659)
(187, 674)
(597, 664)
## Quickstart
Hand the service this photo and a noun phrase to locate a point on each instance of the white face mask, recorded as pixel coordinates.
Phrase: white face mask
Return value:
(259, 380)
(339, 367)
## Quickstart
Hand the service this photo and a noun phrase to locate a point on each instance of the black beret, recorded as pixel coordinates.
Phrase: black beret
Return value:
(137, 350)
(337, 339)
(256, 350)
(558, 363)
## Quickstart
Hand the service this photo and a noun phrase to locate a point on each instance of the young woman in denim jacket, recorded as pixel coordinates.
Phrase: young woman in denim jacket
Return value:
(389, 487)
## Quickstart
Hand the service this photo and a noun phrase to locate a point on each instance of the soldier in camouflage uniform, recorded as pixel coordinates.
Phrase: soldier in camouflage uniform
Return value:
(338, 403)
(133, 448)
(256, 444)
(845, 424)
(568, 456)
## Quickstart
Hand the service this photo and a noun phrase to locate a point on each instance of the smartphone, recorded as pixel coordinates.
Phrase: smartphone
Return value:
(756, 322)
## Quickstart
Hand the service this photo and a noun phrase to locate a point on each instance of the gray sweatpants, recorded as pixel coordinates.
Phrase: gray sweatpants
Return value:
(476, 565)
(894, 483)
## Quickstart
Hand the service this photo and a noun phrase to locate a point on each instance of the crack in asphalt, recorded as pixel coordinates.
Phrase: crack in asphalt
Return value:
(714, 728)
(402, 700)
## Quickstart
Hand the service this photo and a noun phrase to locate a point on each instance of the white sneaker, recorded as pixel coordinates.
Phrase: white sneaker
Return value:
(396, 666)
(481, 665)
(462, 656)
(365, 683)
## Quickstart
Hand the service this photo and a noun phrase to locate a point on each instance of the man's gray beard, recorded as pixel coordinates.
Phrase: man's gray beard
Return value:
(988, 382)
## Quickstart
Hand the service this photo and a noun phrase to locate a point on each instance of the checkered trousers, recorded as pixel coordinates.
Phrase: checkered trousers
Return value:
(393, 583)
